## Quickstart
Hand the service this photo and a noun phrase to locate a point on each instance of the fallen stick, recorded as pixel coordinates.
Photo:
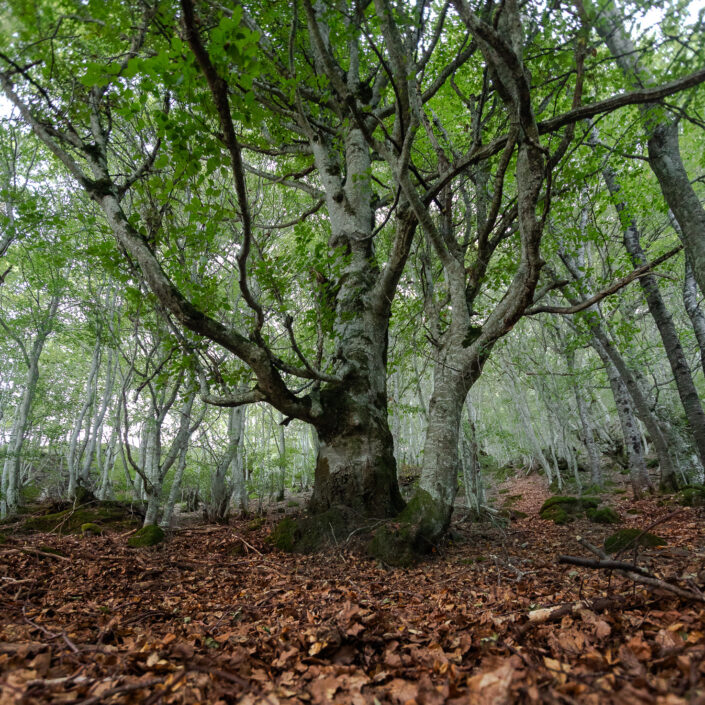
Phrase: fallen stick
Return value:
(119, 690)
(34, 552)
(604, 565)
(248, 545)
(627, 570)
(557, 612)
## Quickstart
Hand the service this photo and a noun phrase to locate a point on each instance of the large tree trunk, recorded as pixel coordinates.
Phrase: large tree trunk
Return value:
(355, 467)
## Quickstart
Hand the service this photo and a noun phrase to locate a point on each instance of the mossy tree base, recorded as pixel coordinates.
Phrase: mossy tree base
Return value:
(414, 533)
(311, 533)
(149, 535)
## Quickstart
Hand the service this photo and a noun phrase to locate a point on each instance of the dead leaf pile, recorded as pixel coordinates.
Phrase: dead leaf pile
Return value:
(189, 622)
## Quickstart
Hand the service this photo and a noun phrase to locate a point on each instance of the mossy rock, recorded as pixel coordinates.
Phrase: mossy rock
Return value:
(70, 521)
(603, 515)
(563, 509)
(693, 496)
(310, 533)
(556, 514)
(91, 529)
(628, 538)
(149, 535)
(256, 524)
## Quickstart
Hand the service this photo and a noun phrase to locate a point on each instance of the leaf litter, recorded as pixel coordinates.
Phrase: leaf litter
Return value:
(490, 619)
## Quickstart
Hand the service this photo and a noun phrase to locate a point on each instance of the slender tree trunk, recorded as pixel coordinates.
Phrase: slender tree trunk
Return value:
(94, 438)
(472, 476)
(638, 473)
(73, 456)
(236, 425)
(662, 134)
(664, 322)
(690, 300)
(13, 462)
(593, 452)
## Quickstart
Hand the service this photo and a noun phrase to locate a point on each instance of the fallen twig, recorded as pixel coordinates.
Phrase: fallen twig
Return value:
(119, 690)
(628, 570)
(34, 552)
(248, 545)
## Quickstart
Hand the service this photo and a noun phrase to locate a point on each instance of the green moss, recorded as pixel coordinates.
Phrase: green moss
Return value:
(311, 533)
(556, 514)
(427, 515)
(149, 535)
(284, 535)
(256, 524)
(90, 528)
(71, 520)
(394, 547)
(512, 499)
(603, 515)
(562, 509)
(693, 496)
(3, 539)
(628, 538)
(292, 503)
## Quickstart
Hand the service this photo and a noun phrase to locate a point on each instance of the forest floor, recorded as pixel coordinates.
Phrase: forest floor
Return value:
(213, 615)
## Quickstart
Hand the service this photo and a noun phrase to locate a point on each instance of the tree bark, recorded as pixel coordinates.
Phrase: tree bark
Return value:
(664, 322)
(661, 131)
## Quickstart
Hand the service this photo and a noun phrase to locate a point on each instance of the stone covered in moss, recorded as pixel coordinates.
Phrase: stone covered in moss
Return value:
(90, 528)
(562, 509)
(628, 538)
(149, 535)
(603, 515)
(693, 496)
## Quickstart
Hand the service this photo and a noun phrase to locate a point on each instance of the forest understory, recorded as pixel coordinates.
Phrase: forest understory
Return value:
(215, 615)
